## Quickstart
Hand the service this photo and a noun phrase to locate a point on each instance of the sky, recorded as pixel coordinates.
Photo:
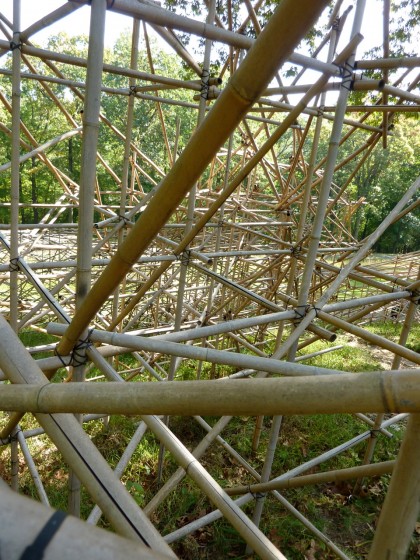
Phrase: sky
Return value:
(78, 22)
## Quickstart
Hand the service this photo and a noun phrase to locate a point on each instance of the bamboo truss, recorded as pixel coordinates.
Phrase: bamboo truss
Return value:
(236, 257)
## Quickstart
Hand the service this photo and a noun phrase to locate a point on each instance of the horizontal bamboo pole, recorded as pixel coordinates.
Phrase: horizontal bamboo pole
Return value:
(156, 15)
(199, 353)
(317, 478)
(383, 391)
(381, 63)
(283, 31)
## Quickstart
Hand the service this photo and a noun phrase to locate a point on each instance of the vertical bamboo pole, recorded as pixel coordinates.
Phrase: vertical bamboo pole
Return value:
(402, 503)
(14, 218)
(87, 187)
(15, 177)
(266, 471)
(127, 144)
(324, 191)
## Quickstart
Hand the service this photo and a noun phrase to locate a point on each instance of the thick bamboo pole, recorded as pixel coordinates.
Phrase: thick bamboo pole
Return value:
(402, 503)
(384, 391)
(289, 23)
(72, 538)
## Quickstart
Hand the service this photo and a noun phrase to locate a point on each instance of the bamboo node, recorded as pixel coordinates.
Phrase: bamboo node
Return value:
(295, 250)
(78, 355)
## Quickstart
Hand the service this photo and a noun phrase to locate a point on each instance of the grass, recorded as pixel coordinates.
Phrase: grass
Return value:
(348, 520)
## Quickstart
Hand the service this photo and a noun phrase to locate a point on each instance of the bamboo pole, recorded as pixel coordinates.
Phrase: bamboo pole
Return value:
(15, 177)
(71, 539)
(225, 115)
(402, 504)
(376, 469)
(252, 535)
(198, 353)
(384, 391)
(86, 193)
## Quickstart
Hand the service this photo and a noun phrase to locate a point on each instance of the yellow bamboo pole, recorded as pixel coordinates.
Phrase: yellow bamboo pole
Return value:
(382, 391)
(402, 503)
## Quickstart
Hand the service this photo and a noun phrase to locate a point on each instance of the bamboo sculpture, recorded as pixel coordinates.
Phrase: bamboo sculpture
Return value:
(236, 256)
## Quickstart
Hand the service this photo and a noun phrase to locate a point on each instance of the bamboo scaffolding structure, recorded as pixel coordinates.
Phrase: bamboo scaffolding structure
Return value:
(263, 250)
(220, 114)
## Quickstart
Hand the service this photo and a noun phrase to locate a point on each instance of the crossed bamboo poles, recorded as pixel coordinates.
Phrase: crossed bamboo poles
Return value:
(239, 242)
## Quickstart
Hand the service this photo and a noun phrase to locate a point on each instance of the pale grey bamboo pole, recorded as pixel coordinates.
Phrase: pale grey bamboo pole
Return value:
(73, 539)
(78, 450)
(32, 467)
(402, 502)
(266, 471)
(199, 353)
(42, 147)
(179, 474)
(251, 534)
(87, 188)
(14, 212)
(307, 189)
(15, 176)
(78, 61)
(127, 145)
(159, 16)
(324, 191)
(48, 20)
(96, 512)
(289, 24)
(383, 391)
